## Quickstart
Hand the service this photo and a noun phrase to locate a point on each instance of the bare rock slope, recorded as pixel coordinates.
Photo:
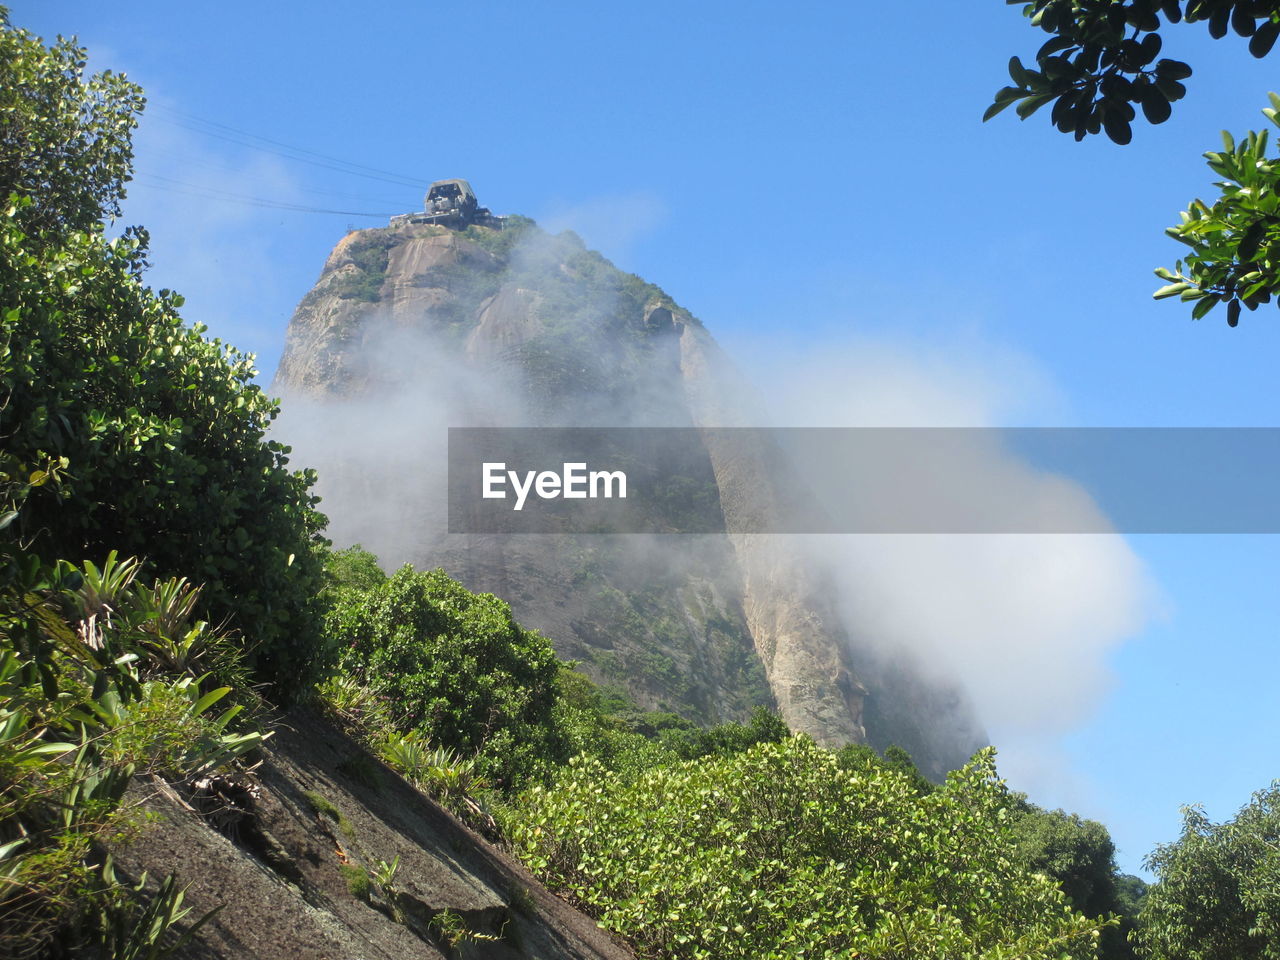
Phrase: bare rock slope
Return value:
(283, 852)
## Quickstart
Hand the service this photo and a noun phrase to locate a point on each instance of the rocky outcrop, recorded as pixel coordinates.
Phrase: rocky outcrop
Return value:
(796, 634)
(289, 856)
(516, 327)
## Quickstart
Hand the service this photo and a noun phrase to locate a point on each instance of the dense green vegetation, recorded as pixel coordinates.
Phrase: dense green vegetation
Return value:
(622, 738)
(1218, 895)
(779, 851)
(453, 666)
(65, 139)
(171, 464)
(1079, 856)
(634, 825)
(425, 662)
(102, 681)
(125, 429)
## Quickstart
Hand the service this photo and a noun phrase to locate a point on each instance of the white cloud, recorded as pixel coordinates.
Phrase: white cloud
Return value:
(1026, 622)
(611, 223)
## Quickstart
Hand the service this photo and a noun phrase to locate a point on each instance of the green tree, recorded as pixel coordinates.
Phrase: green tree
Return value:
(780, 851)
(688, 741)
(1131, 893)
(603, 727)
(1079, 855)
(455, 666)
(1235, 242)
(124, 429)
(64, 137)
(1102, 59)
(1217, 895)
(354, 568)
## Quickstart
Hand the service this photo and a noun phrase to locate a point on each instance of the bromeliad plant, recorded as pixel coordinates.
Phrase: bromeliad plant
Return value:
(84, 709)
(438, 771)
(449, 778)
(157, 619)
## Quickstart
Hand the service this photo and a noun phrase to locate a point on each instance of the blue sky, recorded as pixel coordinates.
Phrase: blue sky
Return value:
(810, 179)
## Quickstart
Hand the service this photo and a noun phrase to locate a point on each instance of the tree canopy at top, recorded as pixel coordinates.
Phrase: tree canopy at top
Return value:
(1102, 58)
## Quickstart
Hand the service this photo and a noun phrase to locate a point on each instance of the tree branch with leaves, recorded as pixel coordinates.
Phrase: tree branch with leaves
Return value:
(1235, 243)
(1101, 59)
(1101, 64)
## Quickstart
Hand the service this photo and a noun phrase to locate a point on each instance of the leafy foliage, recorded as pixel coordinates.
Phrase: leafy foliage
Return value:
(1218, 890)
(1077, 853)
(83, 709)
(1131, 894)
(445, 776)
(780, 852)
(354, 568)
(692, 742)
(611, 729)
(579, 716)
(439, 772)
(1235, 243)
(162, 434)
(854, 756)
(65, 139)
(597, 726)
(124, 428)
(1079, 856)
(456, 667)
(1101, 59)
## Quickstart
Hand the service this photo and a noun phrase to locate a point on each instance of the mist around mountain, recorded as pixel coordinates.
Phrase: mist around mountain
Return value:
(240, 742)
(415, 328)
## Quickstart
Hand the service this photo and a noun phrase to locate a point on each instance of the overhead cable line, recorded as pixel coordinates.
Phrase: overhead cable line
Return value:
(215, 193)
(221, 131)
(225, 171)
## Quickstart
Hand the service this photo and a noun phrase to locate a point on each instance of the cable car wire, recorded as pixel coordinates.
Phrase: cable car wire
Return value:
(222, 131)
(157, 182)
(224, 171)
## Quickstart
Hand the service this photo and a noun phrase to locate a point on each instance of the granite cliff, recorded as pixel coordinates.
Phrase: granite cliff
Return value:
(415, 327)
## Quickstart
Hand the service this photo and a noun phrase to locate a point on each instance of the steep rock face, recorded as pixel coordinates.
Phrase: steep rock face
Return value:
(415, 328)
(796, 634)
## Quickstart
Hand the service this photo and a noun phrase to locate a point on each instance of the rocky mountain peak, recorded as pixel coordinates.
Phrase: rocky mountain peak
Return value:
(440, 326)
